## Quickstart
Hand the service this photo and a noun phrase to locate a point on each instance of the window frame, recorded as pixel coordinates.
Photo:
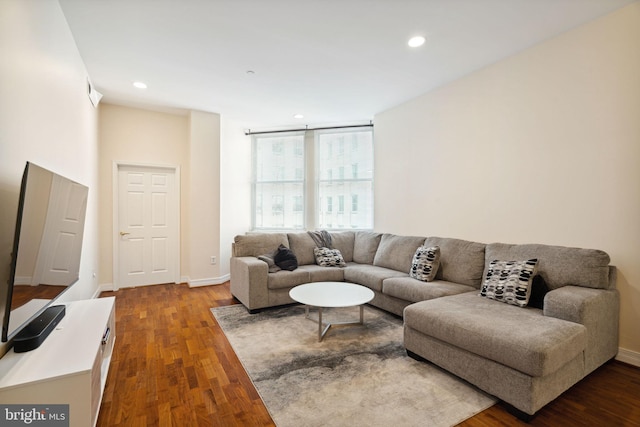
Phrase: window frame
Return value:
(338, 179)
(254, 181)
(312, 202)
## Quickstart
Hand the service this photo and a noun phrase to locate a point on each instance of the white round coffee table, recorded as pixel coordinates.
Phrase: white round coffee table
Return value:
(331, 294)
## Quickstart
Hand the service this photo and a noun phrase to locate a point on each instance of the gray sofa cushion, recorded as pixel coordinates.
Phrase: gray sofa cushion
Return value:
(323, 274)
(288, 279)
(409, 289)
(461, 261)
(302, 245)
(370, 276)
(521, 338)
(558, 265)
(344, 242)
(258, 244)
(396, 252)
(365, 246)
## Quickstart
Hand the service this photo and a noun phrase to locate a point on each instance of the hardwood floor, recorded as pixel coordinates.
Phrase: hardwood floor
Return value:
(24, 294)
(172, 366)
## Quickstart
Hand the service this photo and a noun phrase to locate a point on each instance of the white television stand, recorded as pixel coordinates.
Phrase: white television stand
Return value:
(70, 367)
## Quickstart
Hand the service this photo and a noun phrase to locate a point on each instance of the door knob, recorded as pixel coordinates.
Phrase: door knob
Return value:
(123, 233)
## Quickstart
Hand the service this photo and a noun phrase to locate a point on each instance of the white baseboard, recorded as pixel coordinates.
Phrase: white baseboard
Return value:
(209, 281)
(105, 287)
(108, 287)
(22, 280)
(628, 356)
(96, 294)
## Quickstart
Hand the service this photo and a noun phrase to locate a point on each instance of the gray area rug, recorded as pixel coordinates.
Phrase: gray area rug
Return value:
(357, 376)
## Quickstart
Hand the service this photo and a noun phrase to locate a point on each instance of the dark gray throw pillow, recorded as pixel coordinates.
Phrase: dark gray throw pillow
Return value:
(285, 258)
(539, 289)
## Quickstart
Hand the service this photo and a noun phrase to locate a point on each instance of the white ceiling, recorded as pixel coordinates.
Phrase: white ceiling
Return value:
(335, 61)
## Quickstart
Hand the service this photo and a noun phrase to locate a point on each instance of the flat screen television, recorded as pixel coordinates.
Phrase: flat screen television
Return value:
(47, 244)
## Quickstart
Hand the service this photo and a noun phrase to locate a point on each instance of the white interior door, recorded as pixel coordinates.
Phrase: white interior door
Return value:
(62, 236)
(148, 226)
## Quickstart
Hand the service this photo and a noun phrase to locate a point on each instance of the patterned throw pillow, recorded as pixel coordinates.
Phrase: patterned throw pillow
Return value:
(510, 281)
(425, 263)
(326, 257)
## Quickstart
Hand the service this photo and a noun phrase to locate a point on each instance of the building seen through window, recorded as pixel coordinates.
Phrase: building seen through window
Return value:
(336, 194)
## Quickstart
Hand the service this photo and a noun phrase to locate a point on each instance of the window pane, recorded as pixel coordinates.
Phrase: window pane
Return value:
(279, 181)
(348, 215)
(281, 206)
(345, 170)
(343, 165)
(278, 158)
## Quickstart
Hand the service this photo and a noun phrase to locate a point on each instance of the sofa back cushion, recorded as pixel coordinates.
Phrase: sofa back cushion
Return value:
(461, 261)
(558, 265)
(365, 246)
(396, 252)
(302, 245)
(256, 244)
(344, 242)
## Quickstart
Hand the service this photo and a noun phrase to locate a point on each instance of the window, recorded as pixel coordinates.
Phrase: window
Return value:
(336, 193)
(277, 148)
(358, 187)
(278, 182)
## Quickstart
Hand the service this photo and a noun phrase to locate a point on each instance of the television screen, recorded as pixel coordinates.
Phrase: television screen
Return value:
(47, 244)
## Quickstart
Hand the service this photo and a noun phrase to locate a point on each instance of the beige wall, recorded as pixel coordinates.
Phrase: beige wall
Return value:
(541, 147)
(45, 118)
(131, 135)
(190, 141)
(204, 199)
(235, 187)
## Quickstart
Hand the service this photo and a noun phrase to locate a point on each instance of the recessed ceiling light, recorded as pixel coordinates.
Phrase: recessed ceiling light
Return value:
(298, 116)
(250, 72)
(140, 85)
(416, 41)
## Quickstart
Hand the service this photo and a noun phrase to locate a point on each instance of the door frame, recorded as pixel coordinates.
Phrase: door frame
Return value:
(116, 217)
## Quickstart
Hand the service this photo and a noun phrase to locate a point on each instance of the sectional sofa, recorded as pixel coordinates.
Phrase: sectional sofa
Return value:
(525, 355)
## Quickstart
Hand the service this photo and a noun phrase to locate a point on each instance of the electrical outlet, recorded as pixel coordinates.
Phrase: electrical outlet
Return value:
(213, 260)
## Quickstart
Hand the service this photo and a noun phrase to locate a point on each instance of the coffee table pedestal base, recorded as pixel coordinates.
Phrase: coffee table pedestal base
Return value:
(323, 328)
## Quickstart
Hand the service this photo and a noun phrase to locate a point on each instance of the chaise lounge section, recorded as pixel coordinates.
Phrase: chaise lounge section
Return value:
(525, 355)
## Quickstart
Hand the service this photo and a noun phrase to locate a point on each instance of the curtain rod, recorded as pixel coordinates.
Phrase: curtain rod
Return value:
(248, 132)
